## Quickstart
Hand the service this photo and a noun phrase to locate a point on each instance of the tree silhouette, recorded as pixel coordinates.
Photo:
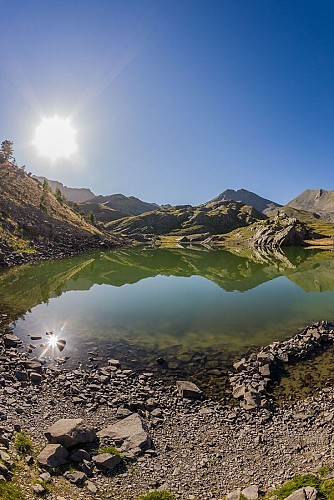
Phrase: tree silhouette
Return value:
(6, 151)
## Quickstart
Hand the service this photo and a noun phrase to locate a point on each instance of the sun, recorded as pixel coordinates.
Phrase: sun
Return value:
(55, 138)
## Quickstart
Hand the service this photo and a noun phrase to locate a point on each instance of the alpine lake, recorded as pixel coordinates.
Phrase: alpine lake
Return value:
(195, 308)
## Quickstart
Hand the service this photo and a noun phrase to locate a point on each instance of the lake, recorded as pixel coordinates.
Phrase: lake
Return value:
(195, 307)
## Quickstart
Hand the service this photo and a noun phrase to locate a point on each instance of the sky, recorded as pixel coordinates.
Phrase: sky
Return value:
(174, 101)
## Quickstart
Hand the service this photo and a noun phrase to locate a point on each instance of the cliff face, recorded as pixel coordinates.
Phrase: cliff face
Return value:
(318, 201)
(34, 224)
(76, 195)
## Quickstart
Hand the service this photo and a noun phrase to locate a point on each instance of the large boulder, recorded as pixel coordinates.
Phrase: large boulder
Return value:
(281, 231)
(53, 455)
(70, 432)
(307, 493)
(131, 430)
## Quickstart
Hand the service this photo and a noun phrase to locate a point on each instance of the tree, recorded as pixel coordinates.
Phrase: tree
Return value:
(58, 195)
(6, 151)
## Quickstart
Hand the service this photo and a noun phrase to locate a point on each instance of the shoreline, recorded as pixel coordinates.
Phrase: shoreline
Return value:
(201, 448)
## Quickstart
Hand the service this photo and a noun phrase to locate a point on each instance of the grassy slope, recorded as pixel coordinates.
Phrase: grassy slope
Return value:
(31, 215)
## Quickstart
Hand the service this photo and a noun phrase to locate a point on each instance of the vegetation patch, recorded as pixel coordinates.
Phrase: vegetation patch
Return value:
(23, 443)
(10, 491)
(108, 449)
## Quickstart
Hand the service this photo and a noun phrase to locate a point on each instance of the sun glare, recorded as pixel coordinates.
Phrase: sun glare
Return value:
(55, 138)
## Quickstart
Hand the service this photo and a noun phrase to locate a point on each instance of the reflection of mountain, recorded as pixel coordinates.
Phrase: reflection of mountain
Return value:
(27, 286)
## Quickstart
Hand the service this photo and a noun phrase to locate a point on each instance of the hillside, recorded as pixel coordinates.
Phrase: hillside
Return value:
(318, 201)
(248, 198)
(33, 224)
(212, 218)
(72, 194)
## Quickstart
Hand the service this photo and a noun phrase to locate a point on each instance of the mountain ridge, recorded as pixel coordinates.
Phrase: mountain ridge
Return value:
(248, 198)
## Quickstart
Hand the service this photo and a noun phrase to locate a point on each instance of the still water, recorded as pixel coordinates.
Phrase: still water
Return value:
(189, 305)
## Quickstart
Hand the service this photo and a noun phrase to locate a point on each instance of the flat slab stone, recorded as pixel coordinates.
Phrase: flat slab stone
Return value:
(188, 390)
(234, 495)
(70, 432)
(131, 430)
(106, 460)
(251, 492)
(53, 455)
(307, 493)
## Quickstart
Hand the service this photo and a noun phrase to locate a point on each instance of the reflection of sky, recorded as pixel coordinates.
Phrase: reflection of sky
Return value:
(180, 309)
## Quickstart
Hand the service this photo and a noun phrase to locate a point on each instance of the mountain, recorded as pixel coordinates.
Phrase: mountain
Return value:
(213, 218)
(127, 204)
(248, 198)
(318, 201)
(72, 194)
(34, 224)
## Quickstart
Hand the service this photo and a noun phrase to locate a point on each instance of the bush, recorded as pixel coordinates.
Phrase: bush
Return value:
(158, 495)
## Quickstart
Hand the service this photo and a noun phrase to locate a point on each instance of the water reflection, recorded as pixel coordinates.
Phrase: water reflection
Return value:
(182, 303)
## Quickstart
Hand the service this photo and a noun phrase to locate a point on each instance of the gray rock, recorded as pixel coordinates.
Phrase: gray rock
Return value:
(80, 455)
(75, 477)
(91, 487)
(70, 432)
(251, 492)
(188, 390)
(106, 460)
(234, 495)
(131, 430)
(38, 489)
(307, 493)
(46, 477)
(53, 455)
(36, 378)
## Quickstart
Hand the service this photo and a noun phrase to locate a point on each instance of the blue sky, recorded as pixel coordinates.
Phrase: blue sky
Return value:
(174, 101)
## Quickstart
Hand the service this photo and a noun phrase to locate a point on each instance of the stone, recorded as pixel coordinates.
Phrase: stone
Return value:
(307, 493)
(21, 375)
(91, 487)
(234, 495)
(46, 477)
(265, 370)
(11, 340)
(70, 432)
(123, 412)
(239, 365)
(53, 455)
(80, 455)
(38, 489)
(188, 390)
(76, 477)
(36, 378)
(131, 430)
(106, 460)
(114, 362)
(251, 492)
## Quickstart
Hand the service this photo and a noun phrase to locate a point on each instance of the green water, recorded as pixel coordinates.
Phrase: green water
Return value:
(194, 307)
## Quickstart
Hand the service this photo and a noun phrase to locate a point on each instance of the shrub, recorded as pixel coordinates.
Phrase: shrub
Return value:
(23, 442)
(158, 495)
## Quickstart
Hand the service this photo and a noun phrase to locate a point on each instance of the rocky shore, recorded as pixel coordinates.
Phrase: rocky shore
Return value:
(116, 434)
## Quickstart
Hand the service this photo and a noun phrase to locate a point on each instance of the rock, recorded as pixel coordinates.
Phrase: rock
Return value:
(70, 432)
(106, 460)
(123, 412)
(307, 493)
(251, 492)
(11, 340)
(36, 378)
(38, 489)
(79, 455)
(188, 390)
(46, 477)
(91, 487)
(234, 495)
(61, 343)
(53, 455)
(131, 430)
(21, 375)
(114, 362)
(75, 477)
